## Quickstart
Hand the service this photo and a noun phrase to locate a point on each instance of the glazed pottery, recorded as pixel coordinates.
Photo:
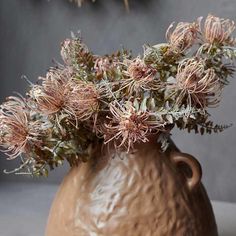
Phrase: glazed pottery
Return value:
(146, 192)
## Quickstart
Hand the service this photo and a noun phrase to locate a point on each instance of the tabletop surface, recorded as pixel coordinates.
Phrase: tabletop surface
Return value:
(24, 208)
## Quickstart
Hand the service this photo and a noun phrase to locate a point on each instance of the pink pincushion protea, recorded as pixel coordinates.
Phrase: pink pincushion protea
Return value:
(119, 99)
(183, 36)
(218, 30)
(140, 76)
(51, 94)
(18, 131)
(83, 100)
(129, 125)
(197, 83)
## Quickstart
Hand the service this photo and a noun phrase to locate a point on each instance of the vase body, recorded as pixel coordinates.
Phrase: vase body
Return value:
(143, 193)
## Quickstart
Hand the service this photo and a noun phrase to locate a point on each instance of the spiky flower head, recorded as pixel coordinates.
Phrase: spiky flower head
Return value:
(50, 96)
(82, 101)
(17, 131)
(128, 125)
(182, 37)
(60, 94)
(198, 84)
(139, 75)
(218, 30)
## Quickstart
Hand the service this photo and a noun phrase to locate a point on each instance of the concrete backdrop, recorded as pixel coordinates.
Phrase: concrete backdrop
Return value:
(30, 36)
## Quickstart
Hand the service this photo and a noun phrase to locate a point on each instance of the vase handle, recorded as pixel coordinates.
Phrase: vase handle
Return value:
(193, 164)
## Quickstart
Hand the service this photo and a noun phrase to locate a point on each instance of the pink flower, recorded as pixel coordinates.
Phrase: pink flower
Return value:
(82, 101)
(182, 37)
(51, 94)
(218, 30)
(139, 75)
(199, 85)
(128, 126)
(63, 95)
(17, 131)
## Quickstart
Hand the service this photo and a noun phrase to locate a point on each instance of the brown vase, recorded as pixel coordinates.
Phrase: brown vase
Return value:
(144, 193)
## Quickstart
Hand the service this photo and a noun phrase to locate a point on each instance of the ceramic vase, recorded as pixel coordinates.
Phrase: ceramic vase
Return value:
(146, 192)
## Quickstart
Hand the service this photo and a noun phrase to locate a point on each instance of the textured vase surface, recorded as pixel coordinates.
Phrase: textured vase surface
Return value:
(142, 193)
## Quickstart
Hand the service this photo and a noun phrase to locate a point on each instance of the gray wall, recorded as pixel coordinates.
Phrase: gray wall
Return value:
(30, 36)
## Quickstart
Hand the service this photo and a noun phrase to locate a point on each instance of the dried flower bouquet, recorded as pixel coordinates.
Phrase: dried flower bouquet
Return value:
(119, 99)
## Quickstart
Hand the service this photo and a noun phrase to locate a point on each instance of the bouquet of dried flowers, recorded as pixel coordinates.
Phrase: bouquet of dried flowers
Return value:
(119, 99)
